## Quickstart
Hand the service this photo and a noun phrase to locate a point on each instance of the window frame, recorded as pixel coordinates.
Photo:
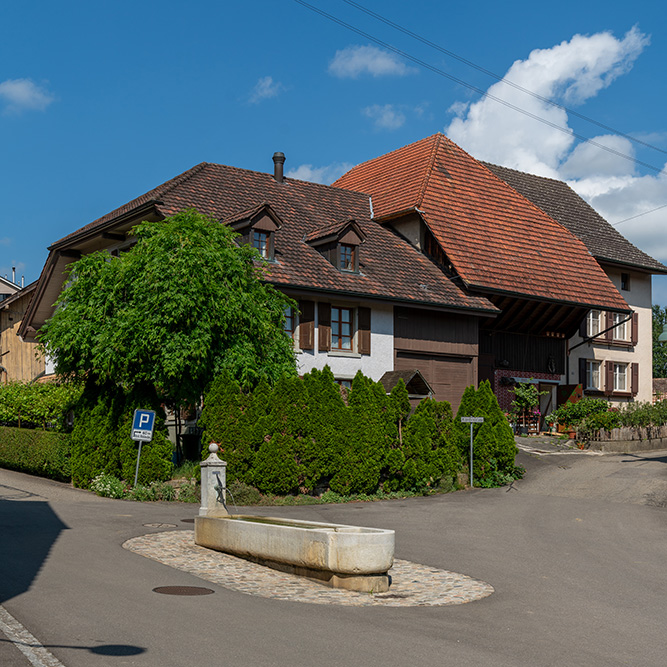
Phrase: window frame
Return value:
(255, 235)
(619, 366)
(340, 323)
(593, 322)
(351, 250)
(591, 372)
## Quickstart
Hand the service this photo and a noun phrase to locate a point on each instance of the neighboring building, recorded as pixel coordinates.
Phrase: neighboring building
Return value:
(611, 355)
(18, 360)
(7, 288)
(492, 242)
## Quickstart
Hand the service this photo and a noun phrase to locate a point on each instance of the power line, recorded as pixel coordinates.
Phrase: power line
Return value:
(479, 68)
(639, 215)
(481, 92)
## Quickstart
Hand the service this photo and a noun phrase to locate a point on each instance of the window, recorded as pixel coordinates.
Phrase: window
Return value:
(341, 328)
(625, 282)
(593, 374)
(347, 257)
(261, 241)
(289, 321)
(593, 323)
(621, 327)
(620, 377)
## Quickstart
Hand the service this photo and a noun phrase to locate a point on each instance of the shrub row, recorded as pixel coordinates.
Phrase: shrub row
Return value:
(37, 405)
(44, 453)
(301, 435)
(101, 441)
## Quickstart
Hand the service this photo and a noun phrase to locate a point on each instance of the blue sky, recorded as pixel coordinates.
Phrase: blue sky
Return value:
(100, 102)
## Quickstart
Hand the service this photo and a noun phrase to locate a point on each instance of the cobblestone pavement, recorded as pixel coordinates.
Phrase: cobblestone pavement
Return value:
(412, 585)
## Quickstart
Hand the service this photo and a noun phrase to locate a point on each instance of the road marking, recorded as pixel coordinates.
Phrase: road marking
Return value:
(25, 642)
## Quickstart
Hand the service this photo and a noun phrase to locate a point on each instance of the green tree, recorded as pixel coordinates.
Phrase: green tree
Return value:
(184, 304)
(659, 349)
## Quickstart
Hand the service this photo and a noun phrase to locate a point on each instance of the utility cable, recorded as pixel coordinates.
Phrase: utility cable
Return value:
(493, 75)
(481, 92)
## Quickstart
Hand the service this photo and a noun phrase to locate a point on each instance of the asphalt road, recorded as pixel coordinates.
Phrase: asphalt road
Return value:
(576, 553)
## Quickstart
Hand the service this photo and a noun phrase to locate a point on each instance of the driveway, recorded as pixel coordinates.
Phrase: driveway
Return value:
(576, 553)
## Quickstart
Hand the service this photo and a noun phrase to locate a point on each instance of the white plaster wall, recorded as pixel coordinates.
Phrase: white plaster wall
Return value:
(638, 297)
(345, 365)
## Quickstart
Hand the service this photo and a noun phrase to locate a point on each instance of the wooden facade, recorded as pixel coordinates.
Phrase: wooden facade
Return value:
(19, 360)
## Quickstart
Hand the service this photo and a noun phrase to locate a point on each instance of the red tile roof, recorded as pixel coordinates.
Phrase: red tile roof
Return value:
(497, 240)
(389, 268)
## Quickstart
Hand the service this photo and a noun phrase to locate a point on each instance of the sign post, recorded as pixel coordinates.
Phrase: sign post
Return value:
(143, 424)
(471, 421)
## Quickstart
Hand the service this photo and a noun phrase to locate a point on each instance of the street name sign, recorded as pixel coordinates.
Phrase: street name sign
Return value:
(143, 424)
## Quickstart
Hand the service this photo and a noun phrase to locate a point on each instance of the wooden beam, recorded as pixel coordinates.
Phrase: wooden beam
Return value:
(110, 236)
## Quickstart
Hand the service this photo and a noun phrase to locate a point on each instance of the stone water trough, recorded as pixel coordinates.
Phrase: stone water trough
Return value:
(340, 556)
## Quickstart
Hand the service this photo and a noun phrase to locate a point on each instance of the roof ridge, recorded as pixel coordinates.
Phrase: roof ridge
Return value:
(180, 179)
(429, 168)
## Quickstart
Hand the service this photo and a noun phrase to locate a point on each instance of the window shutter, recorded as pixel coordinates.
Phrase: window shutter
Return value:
(582, 373)
(306, 325)
(583, 327)
(634, 383)
(608, 377)
(634, 335)
(323, 327)
(364, 330)
(607, 321)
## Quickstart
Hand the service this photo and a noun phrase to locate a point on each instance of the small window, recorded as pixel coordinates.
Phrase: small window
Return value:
(261, 241)
(620, 377)
(289, 321)
(341, 328)
(347, 257)
(346, 384)
(593, 323)
(593, 374)
(625, 282)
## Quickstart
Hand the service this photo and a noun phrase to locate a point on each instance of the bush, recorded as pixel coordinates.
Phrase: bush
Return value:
(108, 486)
(242, 494)
(572, 414)
(37, 405)
(44, 453)
(101, 440)
(494, 448)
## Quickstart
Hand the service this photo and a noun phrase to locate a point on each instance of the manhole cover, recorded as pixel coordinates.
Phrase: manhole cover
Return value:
(160, 525)
(187, 520)
(182, 590)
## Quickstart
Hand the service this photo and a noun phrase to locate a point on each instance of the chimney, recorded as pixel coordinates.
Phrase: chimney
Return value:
(14, 275)
(278, 162)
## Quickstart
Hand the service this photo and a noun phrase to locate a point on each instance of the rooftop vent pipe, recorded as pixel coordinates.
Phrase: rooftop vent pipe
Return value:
(278, 162)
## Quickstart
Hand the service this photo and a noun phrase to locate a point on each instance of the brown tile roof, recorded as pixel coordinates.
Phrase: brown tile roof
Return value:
(496, 239)
(389, 268)
(558, 200)
(328, 230)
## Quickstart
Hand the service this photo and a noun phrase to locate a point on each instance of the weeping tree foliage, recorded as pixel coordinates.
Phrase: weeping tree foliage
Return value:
(184, 305)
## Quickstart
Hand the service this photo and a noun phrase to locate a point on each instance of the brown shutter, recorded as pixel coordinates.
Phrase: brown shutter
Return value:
(583, 327)
(608, 377)
(634, 333)
(364, 330)
(323, 327)
(634, 382)
(306, 325)
(607, 321)
(582, 373)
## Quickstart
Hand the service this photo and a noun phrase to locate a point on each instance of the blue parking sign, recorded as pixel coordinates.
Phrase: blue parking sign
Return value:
(143, 424)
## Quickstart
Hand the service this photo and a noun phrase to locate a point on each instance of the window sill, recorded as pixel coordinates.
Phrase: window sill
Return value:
(343, 353)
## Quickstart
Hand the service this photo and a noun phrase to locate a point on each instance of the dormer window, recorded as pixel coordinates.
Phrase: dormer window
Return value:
(339, 244)
(347, 255)
(257, 227)
(262, 241)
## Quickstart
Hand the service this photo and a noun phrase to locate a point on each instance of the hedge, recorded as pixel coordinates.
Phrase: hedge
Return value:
(44, 453)
(302, 436)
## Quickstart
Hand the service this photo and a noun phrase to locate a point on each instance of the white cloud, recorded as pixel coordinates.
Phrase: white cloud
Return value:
(572, 72)
(353, 61)
(264, 89)
(326, 175)
(386, 117)
(5, 241)
(24, 95)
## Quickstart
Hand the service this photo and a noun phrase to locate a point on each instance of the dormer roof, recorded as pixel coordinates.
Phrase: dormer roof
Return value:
(346, 231)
